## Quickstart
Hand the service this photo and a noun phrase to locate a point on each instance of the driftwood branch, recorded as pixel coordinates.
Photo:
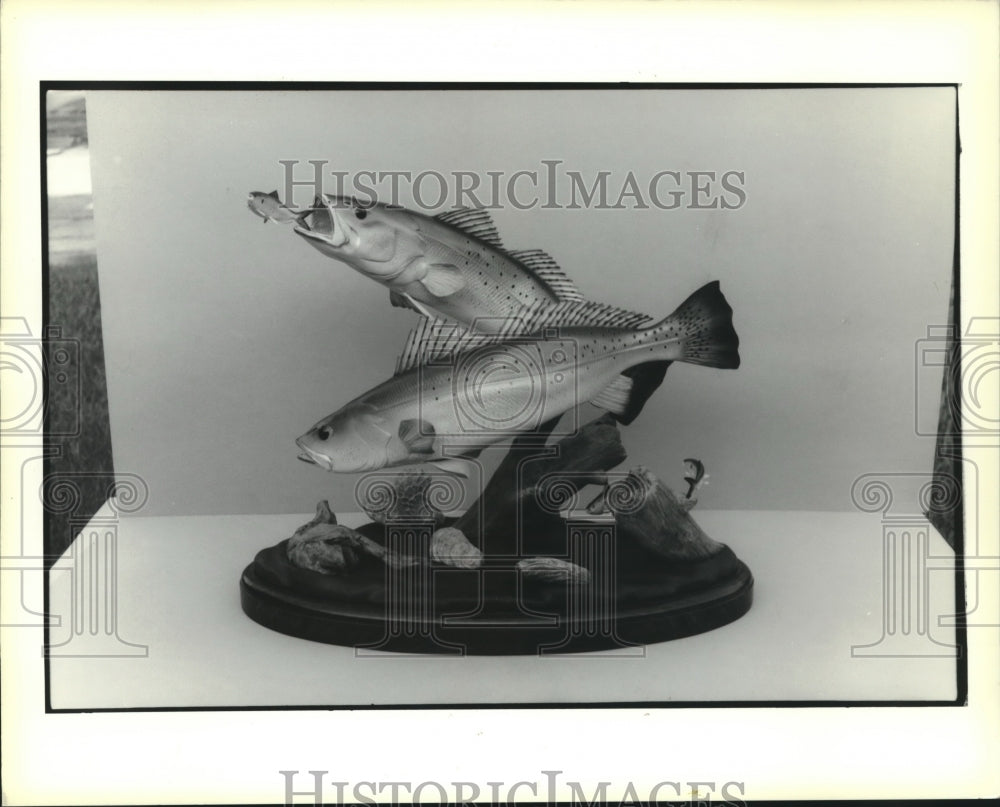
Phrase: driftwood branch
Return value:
(511, 517)
(650, 514)
(519, 512)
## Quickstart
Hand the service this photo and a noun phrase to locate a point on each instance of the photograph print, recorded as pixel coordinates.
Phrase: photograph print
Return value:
(502, 396)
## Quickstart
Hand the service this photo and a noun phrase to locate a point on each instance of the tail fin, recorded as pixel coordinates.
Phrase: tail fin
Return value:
(703, 327)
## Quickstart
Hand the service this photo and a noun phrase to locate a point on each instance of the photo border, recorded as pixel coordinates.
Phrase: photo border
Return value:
(236, 757)
(961, 658)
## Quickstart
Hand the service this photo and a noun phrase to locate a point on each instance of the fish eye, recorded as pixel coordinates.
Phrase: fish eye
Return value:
(360, 213)
(323, 433)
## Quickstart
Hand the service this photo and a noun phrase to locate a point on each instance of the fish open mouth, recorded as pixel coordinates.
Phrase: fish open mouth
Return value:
(339, 234)
(307, 458)
(328, 226)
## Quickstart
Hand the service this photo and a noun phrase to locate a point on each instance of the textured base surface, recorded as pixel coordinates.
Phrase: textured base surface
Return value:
(494, 610)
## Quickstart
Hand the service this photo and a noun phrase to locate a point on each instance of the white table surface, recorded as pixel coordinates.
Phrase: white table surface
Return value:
(818, 591)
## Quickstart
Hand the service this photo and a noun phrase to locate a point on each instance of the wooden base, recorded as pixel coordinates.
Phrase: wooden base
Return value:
(495, 610)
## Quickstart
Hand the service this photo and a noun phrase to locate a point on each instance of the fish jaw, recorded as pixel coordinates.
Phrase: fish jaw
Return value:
(319, 241)
(313, 457)
(383, 253)
(341, 233)
(352, 440)
(339, 241)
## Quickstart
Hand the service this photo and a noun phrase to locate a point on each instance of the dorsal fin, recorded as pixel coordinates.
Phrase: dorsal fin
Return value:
(438, 340)
(578, 314)
(544, 267)
(476, 222)
(615, 396)
(435, 340)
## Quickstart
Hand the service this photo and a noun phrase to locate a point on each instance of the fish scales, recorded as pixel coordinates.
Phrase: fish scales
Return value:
(496, 285)
(453, 264)
(469, 402)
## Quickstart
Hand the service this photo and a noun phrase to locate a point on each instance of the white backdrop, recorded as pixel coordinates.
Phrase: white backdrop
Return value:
(226, 339)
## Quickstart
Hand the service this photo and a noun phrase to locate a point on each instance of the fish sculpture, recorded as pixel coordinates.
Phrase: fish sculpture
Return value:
(452, 265)
(270, 208)
(454, 392)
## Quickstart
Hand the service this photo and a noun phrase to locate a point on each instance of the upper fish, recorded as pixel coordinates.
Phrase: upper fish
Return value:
(452, 265)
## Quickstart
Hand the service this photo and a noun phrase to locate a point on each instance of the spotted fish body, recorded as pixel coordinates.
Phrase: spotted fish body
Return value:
(451, 265)
(454, 394)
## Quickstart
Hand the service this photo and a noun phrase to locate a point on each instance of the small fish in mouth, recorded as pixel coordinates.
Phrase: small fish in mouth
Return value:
(270, 208)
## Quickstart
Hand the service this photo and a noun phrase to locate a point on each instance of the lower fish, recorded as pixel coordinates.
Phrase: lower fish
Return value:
(452, 395)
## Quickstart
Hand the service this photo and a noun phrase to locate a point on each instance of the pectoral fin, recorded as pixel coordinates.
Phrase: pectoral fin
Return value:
(646, 379)
(443, 279)
(615, 396)
(475, 222)
(400, 300)
(417, 435)
(627, 394)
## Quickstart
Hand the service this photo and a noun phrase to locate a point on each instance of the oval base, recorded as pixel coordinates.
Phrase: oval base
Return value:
(493, 610)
